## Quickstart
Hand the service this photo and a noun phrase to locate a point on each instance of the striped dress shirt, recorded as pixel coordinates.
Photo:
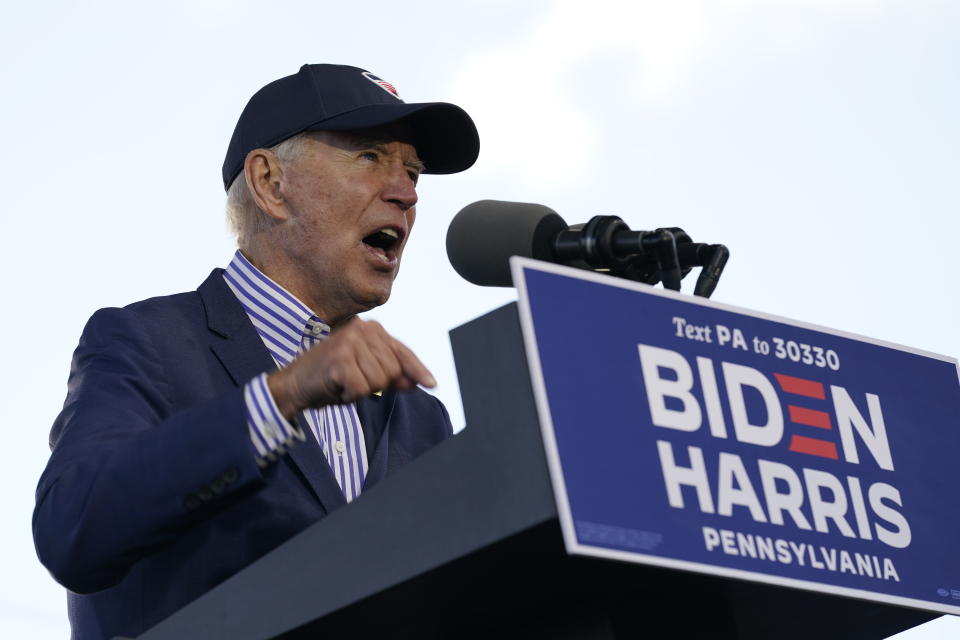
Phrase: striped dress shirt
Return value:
(289, 328)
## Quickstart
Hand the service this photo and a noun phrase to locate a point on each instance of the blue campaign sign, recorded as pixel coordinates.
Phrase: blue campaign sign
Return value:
(690, 434)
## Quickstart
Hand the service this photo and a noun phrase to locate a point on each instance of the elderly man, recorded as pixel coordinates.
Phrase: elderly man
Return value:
(203, 429)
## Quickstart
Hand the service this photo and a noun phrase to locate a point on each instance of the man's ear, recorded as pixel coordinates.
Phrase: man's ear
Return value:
(263, 174)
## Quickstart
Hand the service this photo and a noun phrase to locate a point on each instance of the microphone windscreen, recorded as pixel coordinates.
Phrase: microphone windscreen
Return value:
(483, 236)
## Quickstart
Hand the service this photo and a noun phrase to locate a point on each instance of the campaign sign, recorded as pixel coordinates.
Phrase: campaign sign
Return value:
(690, 434)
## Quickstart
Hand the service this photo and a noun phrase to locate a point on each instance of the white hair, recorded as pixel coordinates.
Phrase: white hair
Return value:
(243, 215)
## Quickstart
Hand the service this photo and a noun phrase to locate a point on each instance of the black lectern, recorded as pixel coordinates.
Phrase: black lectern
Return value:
(464, 542)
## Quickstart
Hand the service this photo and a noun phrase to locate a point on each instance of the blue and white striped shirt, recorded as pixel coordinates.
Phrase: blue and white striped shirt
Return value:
(289, 328)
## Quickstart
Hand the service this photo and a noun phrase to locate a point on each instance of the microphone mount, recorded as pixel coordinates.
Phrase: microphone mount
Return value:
(606, 244)
(483, 235)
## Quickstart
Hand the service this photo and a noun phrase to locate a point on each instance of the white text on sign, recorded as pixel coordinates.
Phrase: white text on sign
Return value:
(813, 499)
(734, 338)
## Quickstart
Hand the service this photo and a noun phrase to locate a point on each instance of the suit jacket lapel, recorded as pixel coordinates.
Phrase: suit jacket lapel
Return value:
(374, 413)
(242, 353)
(308, 457)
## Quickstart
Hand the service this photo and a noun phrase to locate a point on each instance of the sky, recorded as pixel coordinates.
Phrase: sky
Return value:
(817, 139)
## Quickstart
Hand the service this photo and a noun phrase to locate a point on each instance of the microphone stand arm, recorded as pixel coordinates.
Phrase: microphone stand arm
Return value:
(607, 244)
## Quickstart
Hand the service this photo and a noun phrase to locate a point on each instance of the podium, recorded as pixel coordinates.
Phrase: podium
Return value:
(465, 542)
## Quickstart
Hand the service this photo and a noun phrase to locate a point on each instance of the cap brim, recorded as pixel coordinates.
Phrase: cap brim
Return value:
(444, 135)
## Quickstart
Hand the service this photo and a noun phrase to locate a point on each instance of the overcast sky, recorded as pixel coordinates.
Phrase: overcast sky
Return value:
(818, 139)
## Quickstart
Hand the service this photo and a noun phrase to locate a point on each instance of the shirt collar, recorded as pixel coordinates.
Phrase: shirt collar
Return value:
(283, 322)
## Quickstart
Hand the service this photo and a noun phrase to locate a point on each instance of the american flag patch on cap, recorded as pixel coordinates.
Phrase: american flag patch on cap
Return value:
(383, 84)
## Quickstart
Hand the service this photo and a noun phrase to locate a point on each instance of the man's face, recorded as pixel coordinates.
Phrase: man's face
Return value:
(350, 198)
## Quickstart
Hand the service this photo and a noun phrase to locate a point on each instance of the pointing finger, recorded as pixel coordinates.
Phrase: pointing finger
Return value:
(415, 370)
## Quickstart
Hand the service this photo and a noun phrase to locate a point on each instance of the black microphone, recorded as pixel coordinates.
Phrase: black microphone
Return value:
(483, 235)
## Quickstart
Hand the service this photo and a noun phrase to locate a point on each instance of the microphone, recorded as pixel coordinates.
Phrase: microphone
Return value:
(483, 235)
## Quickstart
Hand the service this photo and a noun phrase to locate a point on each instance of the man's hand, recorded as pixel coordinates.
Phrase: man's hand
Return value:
(357, 359)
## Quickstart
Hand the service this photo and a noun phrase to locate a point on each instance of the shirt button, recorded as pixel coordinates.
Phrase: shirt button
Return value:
(340, 447)
(316, 331)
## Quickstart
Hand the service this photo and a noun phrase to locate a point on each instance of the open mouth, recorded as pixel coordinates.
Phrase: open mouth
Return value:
(385, 241)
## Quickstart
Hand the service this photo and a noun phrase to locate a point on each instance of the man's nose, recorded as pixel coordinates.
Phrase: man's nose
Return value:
(400, 188)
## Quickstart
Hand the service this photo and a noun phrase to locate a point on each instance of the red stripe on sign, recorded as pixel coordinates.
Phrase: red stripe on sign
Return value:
(810, 417)
(801, 387)
(813, 447)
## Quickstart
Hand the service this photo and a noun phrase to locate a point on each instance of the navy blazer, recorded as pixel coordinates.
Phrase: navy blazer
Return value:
(152, 494)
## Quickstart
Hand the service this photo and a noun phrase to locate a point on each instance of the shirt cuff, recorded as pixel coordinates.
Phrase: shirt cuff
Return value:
(270, 432)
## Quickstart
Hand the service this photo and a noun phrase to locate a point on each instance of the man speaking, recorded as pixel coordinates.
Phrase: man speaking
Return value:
(201, 430)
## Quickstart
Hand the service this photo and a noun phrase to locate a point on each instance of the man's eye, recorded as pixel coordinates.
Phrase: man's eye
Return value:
(370, 155)
(414, 176)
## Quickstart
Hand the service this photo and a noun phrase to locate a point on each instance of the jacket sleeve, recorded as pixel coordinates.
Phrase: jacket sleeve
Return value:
(127, 470)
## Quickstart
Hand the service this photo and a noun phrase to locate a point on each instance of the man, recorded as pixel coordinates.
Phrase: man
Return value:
(203, 429)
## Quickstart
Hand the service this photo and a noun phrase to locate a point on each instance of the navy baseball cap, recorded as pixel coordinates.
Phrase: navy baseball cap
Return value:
(332, 97)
